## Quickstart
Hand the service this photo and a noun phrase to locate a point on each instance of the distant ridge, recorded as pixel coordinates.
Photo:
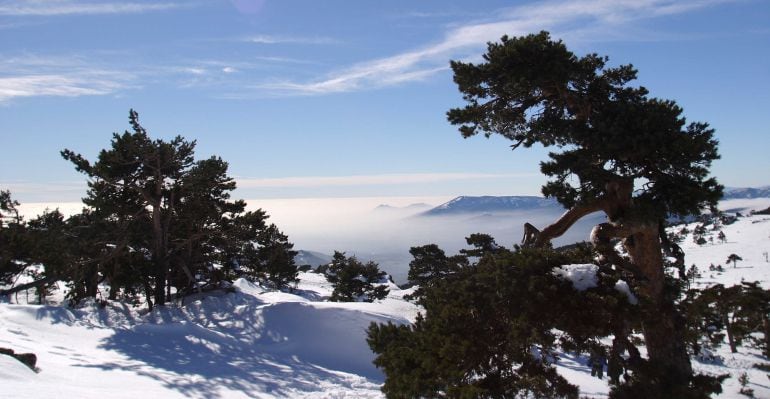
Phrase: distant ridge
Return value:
(312, 258)
(492, 204)
(746, 192)
(416, 205)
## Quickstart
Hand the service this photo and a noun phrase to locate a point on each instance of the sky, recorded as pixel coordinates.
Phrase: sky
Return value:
(333, 99)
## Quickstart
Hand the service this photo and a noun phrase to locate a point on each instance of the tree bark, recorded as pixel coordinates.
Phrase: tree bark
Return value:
(728, 329)
(662, 325)
(766, 328)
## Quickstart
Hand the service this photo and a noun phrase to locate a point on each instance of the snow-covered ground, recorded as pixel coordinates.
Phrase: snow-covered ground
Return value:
(262, 344)
(252, 343)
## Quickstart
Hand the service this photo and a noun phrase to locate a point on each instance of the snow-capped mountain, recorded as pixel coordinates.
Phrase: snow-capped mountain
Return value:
(492, 204)
(746, 192)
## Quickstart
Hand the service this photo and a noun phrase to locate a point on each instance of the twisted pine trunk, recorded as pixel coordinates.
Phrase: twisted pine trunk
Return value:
(662, 325)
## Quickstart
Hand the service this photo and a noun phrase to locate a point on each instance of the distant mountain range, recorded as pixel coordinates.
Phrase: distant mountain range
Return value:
(492, 204)
(412, 207)
(487, 205)
(312, 258)
(746, 192)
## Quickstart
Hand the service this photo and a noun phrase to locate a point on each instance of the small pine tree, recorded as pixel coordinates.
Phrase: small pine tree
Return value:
(354, 280)
(276, 256)
(743, 379)
(431, 264)
(722, 237)
(733, 258)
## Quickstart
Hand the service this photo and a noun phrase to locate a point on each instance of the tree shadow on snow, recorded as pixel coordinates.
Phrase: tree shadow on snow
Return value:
(238, 343)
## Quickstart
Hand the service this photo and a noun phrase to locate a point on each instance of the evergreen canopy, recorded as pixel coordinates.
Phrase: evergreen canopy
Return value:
(533, 90)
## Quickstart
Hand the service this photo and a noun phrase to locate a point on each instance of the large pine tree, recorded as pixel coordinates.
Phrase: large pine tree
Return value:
(153, 199)
(614, 150)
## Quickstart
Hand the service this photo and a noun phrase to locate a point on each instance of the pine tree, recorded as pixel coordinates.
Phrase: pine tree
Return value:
(481, 326)
(733, 258)
(607, 137)
(354, 280)
(175, 213)
(14, 246)
(276, 256)
(431, 264)
(755, 308)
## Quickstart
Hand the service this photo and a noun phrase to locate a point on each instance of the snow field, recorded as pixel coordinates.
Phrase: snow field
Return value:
(257, 343)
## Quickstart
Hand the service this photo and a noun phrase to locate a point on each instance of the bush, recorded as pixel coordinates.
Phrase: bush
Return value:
(354, 280)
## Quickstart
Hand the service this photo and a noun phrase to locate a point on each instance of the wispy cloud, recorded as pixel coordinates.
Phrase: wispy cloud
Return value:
(65, 7)
(461, 41)
(278, 39)
(53, 85)
(32, 76)
(365, 180)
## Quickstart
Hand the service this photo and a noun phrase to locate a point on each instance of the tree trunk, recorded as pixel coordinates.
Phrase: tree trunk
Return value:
(728, 329)
(159, 254)
(766, 328)
(33, 284)
(662, 325)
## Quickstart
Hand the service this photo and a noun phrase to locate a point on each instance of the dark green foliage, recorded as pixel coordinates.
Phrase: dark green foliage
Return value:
(614, 150)
(431, 264)
(755, 308)
(14, 246)
(353, 280)
(705, 324)
(490, 328)
(733, 258)
(533, 90)
(741, 313)
(276, 257)
(158, 221)
(481, 243)
(651, 381)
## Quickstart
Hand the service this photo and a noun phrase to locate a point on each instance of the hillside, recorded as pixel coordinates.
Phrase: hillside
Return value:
(260, 343)
(492, 204)
(251, 343)
(746, 192)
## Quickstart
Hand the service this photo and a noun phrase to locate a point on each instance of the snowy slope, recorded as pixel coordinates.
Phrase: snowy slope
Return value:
(252, 343)
(265, 344)
(749, 238)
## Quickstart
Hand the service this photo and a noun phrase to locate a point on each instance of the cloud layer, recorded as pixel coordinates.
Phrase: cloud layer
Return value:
(597, 18)
(60, 7)
(260, 75)
(365, 180)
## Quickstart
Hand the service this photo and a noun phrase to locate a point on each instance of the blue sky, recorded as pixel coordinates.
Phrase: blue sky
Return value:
(316, 99)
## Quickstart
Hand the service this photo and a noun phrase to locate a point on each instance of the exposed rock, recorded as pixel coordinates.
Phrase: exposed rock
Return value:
(28, 359)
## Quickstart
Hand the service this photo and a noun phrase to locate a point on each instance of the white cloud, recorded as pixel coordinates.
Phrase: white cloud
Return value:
(31, 76)
(53, 85)
(600, 17)
(277, 39)
(64, 7)
(365, 180)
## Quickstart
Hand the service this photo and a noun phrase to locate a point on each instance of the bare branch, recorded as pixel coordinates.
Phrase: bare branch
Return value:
(533, 238)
